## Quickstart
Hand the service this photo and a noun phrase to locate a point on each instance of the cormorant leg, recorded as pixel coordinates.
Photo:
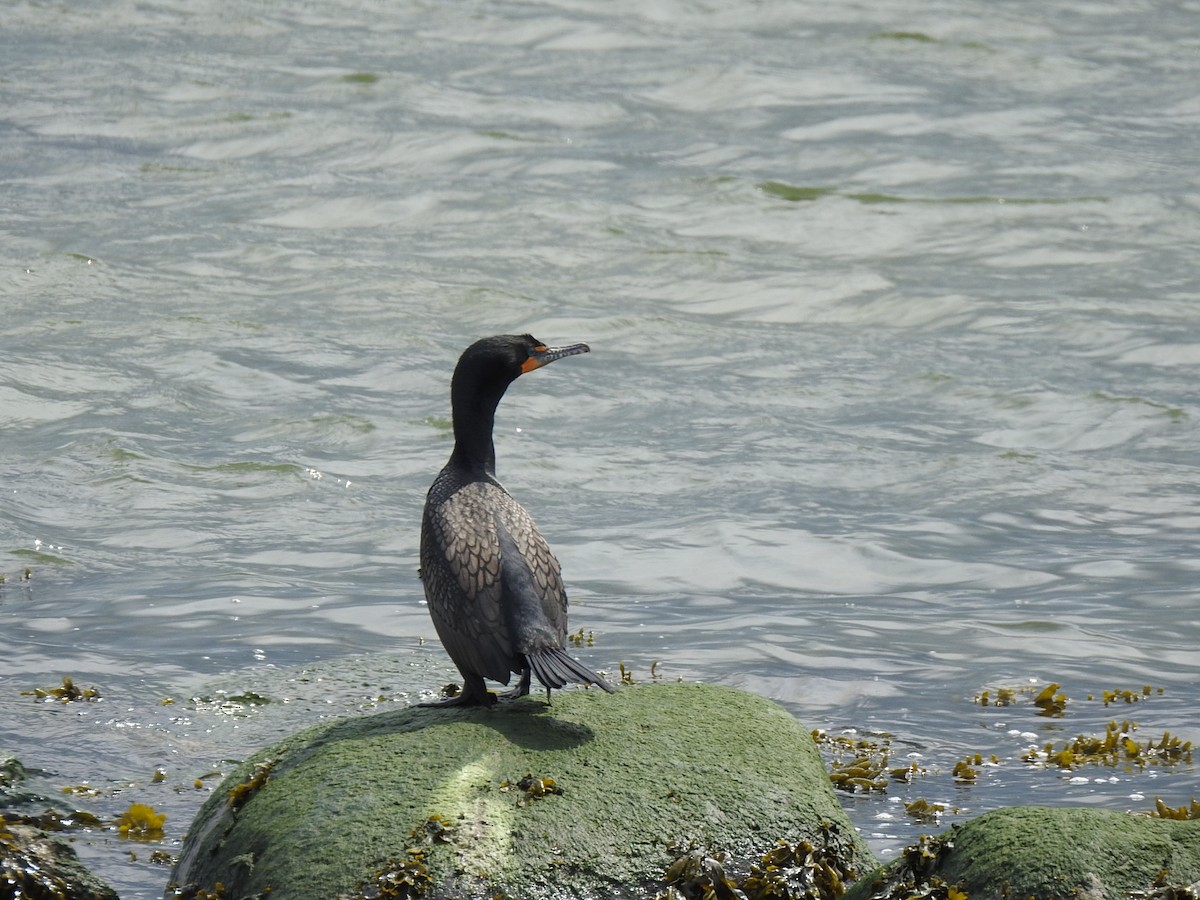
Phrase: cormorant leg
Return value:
(522, 687)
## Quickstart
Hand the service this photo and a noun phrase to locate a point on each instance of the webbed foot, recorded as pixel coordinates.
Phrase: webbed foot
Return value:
(473, 693)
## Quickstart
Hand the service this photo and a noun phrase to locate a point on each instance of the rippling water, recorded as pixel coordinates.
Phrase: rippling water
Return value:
(895, 331)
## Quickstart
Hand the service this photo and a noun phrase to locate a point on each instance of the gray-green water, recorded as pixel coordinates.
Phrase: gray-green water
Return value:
(895, 322)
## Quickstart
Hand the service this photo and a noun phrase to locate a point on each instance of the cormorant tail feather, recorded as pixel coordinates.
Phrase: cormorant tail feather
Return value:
(554, 668)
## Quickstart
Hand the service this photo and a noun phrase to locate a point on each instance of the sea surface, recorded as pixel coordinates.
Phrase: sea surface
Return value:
(893, 396)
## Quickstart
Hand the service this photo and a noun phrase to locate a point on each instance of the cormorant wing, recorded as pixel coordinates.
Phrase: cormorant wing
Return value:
(535, 571)
(460, 565)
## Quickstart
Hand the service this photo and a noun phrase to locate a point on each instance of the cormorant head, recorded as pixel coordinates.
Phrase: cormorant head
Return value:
(504, 357)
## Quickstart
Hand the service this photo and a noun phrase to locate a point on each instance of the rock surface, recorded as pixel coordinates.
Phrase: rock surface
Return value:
(1049, 854)
(34, 865)
(614, 783)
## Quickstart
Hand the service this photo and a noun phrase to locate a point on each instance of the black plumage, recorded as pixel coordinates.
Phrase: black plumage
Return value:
(493, 586)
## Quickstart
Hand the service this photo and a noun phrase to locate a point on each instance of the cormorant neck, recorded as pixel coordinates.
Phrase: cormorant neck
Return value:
(473, 406)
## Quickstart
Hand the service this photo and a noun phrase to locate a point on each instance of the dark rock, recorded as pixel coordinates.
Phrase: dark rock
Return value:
(36, 866)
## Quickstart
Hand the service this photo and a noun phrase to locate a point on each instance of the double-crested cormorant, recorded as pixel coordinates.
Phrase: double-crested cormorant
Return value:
(493, 585)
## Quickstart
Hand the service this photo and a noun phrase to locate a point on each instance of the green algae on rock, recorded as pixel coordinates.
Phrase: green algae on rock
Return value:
(653, 767)
(1050, 854)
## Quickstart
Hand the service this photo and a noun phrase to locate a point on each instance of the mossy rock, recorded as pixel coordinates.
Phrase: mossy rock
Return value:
(1047, 854)
(617, 781)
